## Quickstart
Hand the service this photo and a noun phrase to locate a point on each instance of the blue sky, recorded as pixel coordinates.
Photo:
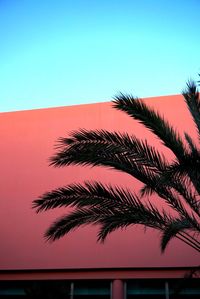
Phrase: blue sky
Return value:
(57, 53)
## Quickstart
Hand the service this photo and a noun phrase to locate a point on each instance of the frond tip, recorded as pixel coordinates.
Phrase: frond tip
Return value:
(68, 223)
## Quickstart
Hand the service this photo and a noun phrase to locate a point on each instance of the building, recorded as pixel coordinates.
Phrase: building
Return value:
(129, 264)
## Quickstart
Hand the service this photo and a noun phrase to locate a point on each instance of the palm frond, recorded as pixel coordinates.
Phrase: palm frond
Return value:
(178, 176)
(93, 194)
(98, 204)
(175, 227)
(147, 190)
(192, 145)
(147, 215)
(100, 144)
(165, 191)
(190, 166)
(67, 223)
(137, 109)
(191, 96)
(120, 162)
(109, 219)
(131, 156)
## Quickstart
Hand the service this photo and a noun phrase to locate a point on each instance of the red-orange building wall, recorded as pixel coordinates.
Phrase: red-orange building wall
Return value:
(27, 141)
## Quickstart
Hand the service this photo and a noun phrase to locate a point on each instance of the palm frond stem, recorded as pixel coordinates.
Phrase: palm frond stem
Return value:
(186, 240)
(193, 240)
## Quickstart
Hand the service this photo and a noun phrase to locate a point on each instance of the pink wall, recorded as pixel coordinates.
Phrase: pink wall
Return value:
(27, 141)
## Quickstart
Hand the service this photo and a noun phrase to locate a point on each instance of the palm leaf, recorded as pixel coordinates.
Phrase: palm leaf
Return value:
(151, 119)
(192, 145)
(96, 203)
(100, 143)
(67, 223)
(98, 157)
(177, 177)
(93, 194)
(109, 219)
(141, 216)
(191, 96)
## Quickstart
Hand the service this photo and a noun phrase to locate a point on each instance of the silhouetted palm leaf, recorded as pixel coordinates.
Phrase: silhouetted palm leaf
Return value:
(102, 205)
(191, 96)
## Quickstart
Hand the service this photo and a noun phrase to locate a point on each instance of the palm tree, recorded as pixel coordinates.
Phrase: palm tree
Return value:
(176, 183)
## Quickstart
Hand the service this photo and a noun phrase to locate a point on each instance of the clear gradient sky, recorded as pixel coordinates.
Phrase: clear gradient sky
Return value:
(58, 53)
